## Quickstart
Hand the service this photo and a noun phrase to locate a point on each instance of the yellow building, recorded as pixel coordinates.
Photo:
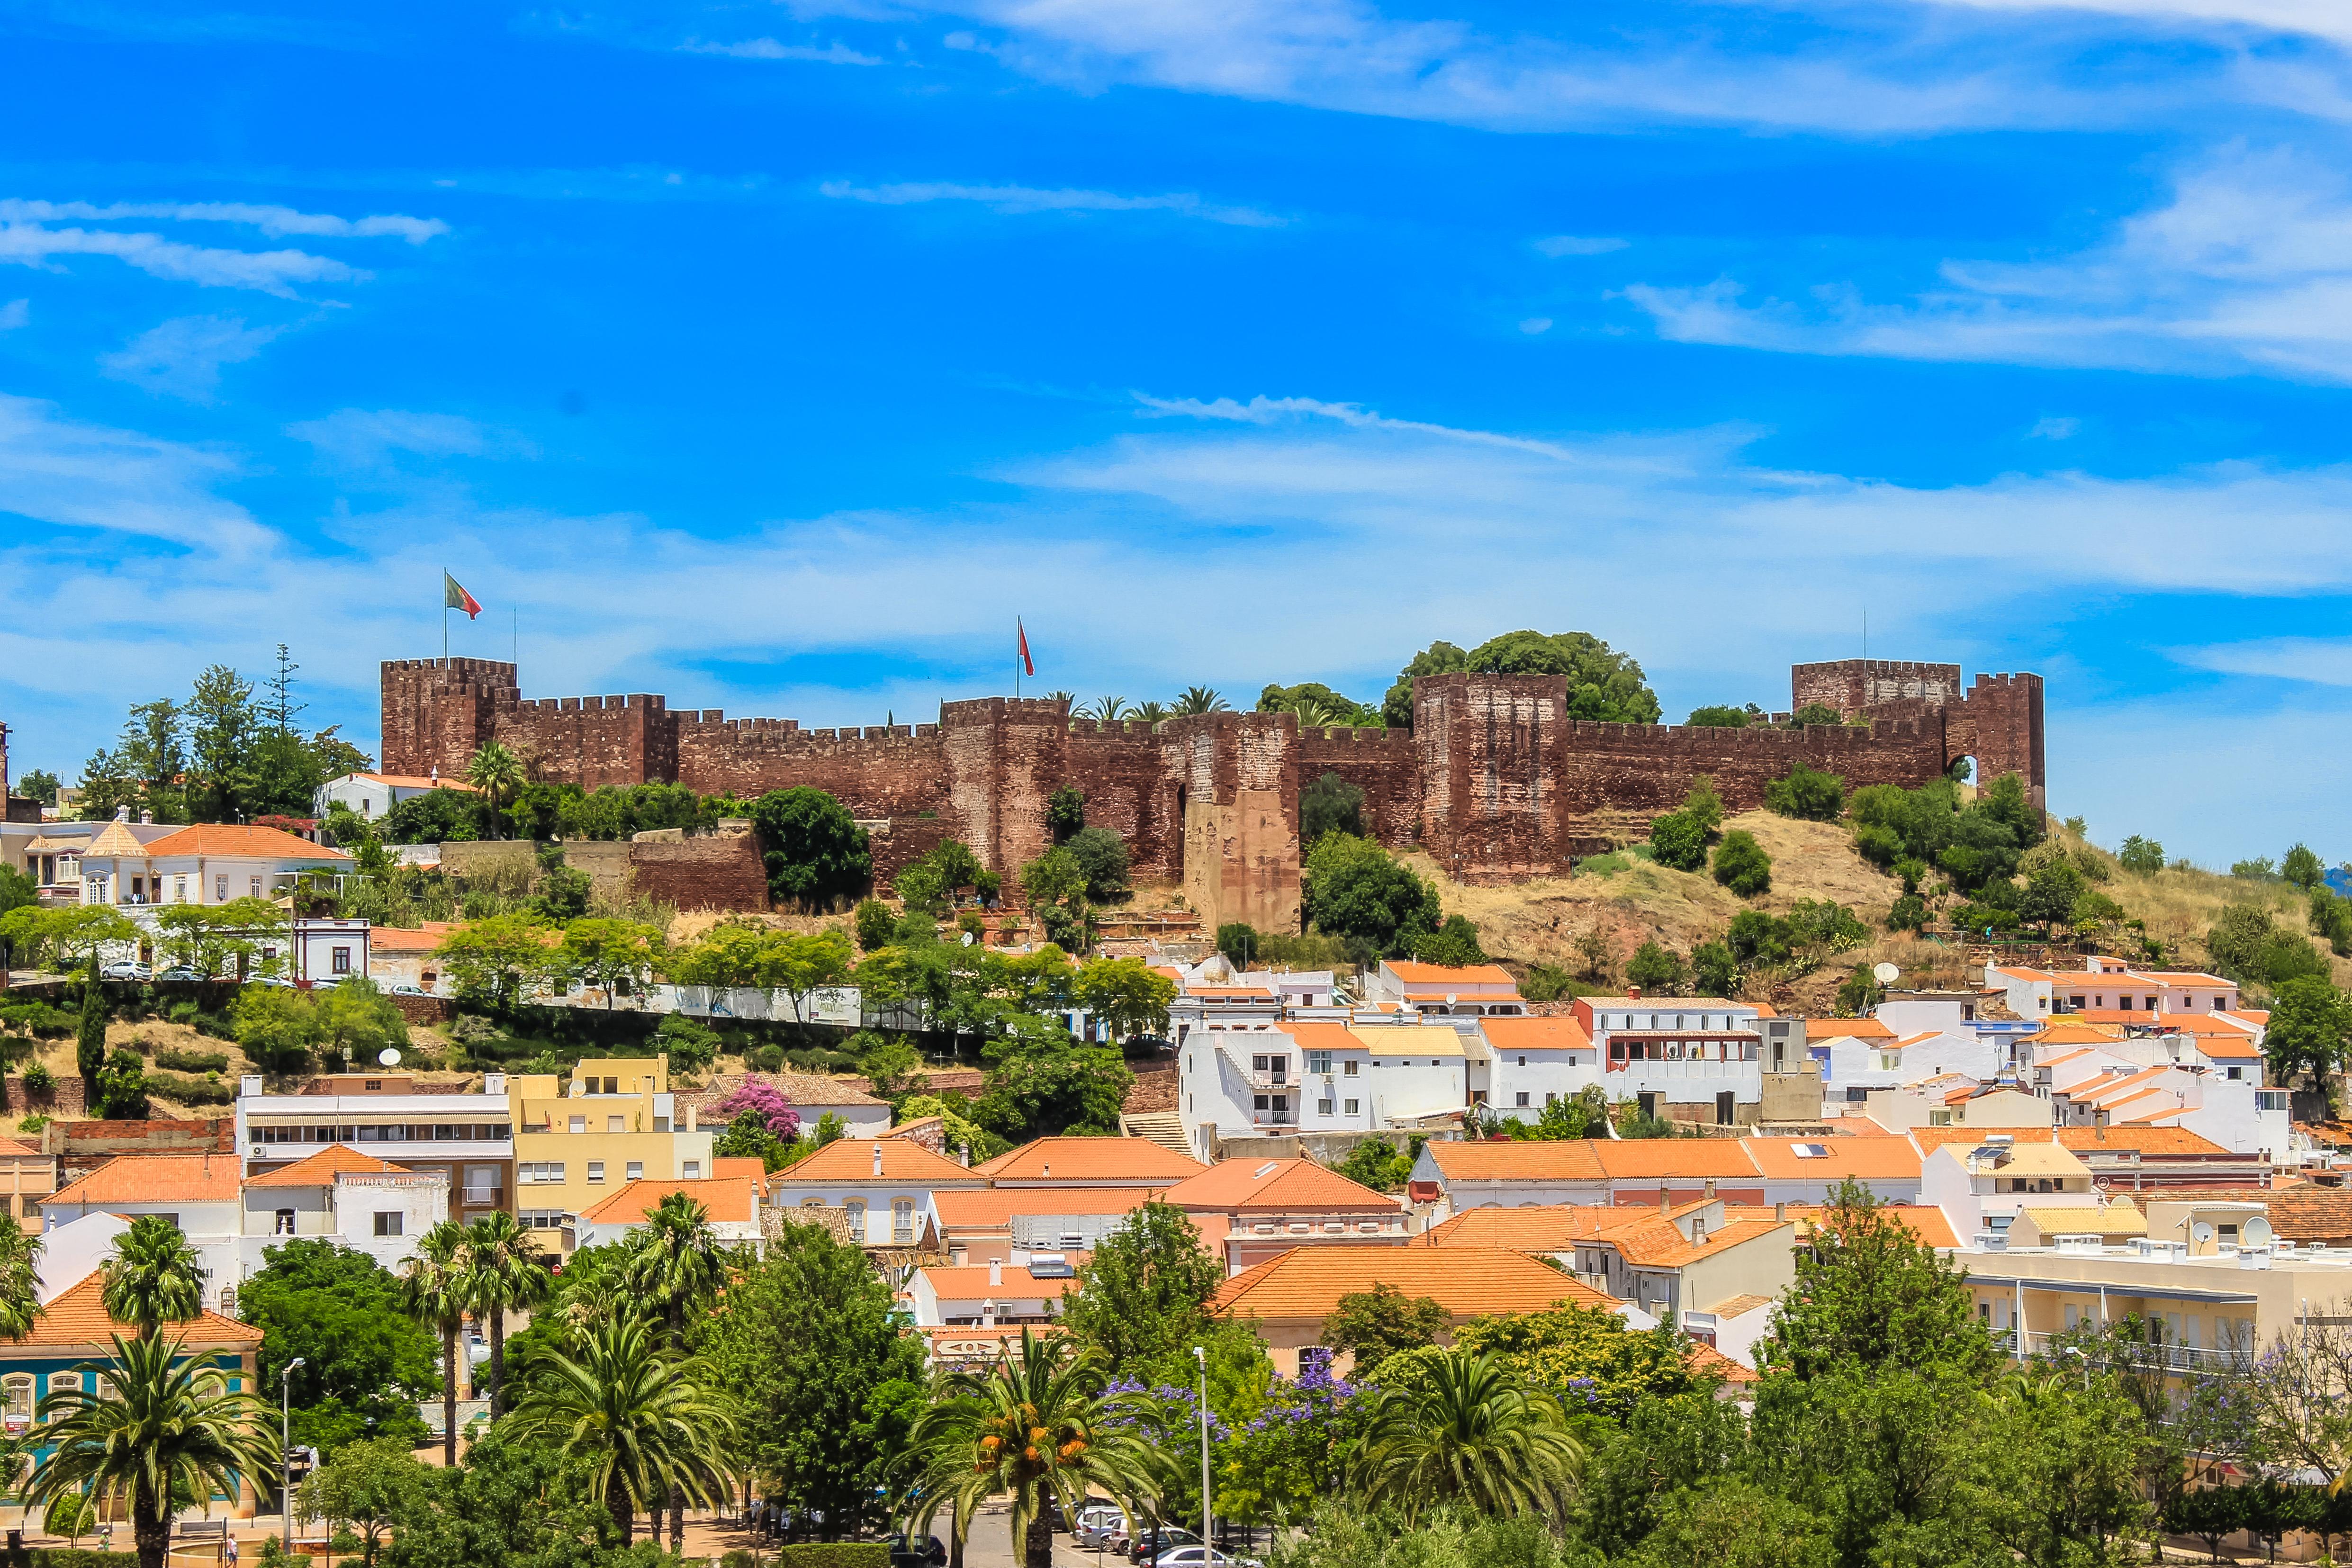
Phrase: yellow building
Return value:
(581, 1140)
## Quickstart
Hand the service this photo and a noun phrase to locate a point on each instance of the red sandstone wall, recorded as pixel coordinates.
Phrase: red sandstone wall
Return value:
(1858, 686)
(713, 873)
(436, 711)
(1384, 763)
(1120, 767)
(591, 741)
(1999, 724)
(1491, 772)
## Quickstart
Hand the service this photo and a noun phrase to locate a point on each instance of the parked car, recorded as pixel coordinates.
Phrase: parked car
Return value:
(1097, 1525)
(1203, 1557)
(905, 1553)
(1148, 1546)
(406, 989)
(126, 968)
(178, 971)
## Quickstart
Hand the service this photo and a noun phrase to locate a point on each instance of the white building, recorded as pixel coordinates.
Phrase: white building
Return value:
(990, 1295)
(1981, 1188)
(373, 795)
(882, 1187)
(2096, 1087)
(2109, 986)
(1520, 1064)
(1319, 1076)
(50, 853)
(731, 1201)
(1692, 1058)
(197, 1192)
(210, 863)
(341, 1195)
(469, 1139)
(1476, 990)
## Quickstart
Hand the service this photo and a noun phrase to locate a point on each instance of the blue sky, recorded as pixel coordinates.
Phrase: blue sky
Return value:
(773, 356)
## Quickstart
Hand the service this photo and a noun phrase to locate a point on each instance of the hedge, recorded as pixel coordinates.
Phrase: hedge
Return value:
(184, 1090)
(67, 1557)
(834, 1555)
(192, 1061)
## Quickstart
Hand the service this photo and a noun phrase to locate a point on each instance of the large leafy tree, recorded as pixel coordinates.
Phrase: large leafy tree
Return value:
(815, 851)
(1037, 1428)
(433, 1293)
(160, 1425)
(511, 1504)
(605, 953)
(368, 1486)
(1588, 1359)
(364, 1364)
(1143, 1296)
(1467, 1431)
(496, 958)
(153, 1277)
(805, 1340)
(1372, 1325)
(1356, 889)
(2310, 1024)
(1869, 1294)
(217, 939)
(1127, 994)
(224, 729)
(643, 1424)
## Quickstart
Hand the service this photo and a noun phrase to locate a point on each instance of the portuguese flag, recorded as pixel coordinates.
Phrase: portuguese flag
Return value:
(455, 597)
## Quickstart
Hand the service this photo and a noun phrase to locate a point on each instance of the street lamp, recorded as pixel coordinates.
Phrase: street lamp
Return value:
(1200, 1355)
(2079, 1355)
(286, 1448)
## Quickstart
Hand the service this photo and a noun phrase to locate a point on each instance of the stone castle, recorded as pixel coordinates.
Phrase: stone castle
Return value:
(1495, 781)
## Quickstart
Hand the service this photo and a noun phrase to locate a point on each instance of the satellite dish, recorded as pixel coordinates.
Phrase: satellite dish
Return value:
(966, 939)
(2201, 1232)
(2257, 1232)
(389, 1056)
(1886, 974)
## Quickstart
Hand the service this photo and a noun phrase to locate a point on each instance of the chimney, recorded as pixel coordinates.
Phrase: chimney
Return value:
(1046, 1168)
(996, 1274)
(1779, 1213)
(877, 1159)
(1710, 1189)
(121, 814)
(988, 1314)
(1634, 993)
(963, 1155)
(147, 819)
(1665, 1199)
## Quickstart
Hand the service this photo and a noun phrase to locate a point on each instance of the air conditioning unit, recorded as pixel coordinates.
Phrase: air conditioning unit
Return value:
(1989, 1241)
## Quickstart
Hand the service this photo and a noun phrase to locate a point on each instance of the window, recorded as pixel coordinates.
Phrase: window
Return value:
(543, 1219)
(1347, 1069)
(855, 1209)
(1523, 1061)
(1319, 1062)
(60, 1382)
(579, 1124)
(693, 1171)
(179, 890)
(1349, 1106)
(595, 1170)
(18, 1391)
(533, 1172)
(256, 886)
(636, 1170)
(341, 964)
(902, 1221)
(388, 1222)
(1322, 1107)
(616, 1124)
(220, 890)
(283, 1224)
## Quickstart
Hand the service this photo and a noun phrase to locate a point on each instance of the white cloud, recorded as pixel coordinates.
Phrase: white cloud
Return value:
(2247, 266)
(2318, 661)
(2054, 428)
(271, 220)
(2320, 18)
(1535, 325)
(271, 271)
(1578, 245)
(1028, 199)
(832, 54)
(15, 313)
(72, 475)
(182, 358)
(365, 437)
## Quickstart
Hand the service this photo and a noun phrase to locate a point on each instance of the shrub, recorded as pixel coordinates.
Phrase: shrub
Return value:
(691, 1045)
(40, 1081)
(190, 1090)
(192, 1061)
(766, 1058)
(1655, 968)
(1330, 804)
(183, 1013)
(1909, 913)
(1714, 971)
(1742, 866)
(1807, 794)
(875, 924)
(1065, 811)
(1543, 982)
(1238, 942)
(39, 1019)
(1102, 856)
(1679, 842)
(834, 1555)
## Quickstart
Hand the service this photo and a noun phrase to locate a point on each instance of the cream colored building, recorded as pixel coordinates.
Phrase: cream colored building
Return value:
(580, 1139)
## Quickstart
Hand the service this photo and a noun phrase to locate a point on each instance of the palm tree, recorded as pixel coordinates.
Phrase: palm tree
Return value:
(1471, 1433)
(20, 1280)
(1036, 1427)
(1200, 700)
(1314, 713)
(677, 1267)
(153, 1277)
(505, 1271)
(1107, 709)
(433, 1285)
(1151, 712)
(643, 1422)
(498, 773)
(163, 1425)
(1061, 697)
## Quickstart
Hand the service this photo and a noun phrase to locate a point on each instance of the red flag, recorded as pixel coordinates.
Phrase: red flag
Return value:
(455, 597)
(1027, 667)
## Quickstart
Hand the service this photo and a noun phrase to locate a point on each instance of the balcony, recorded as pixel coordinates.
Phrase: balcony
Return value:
(482, 1197)
(2173, 1358)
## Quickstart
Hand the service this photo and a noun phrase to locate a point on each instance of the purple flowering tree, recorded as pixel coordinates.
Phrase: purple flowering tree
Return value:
(766, 1101)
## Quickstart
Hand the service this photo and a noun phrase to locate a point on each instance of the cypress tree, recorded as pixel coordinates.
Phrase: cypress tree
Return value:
(89, 1045)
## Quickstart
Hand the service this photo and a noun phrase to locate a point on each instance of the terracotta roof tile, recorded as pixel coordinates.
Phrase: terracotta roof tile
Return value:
(1129, 1160)
(1930, 1139)
(1642, 1159)
(1489, 1160)
(729, 1200)
(1659, 1245)
(1413, 973)
(1865, 1159)
(232, 842)
(1545, 1227)
(1239, 1186)
(1739, 1306)
(851, 1160)
(319, 1170)
(2146, 1139)
(1844, 1028)
(993, 1207)
(157, 1179)
(971, 1284)
(424, 938)
(1557, 1032)
(1927, 1222)
(78, 1317)
(1307, 1282)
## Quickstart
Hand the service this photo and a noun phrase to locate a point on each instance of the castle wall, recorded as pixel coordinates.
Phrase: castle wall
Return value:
(1858, 686)
(1384, 763)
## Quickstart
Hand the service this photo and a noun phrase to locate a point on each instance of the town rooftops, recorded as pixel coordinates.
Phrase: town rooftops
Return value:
(989, 1208)
(1307, 1282)
(851, 1162)
(1658, 1244)
(1127, 1161)
(78, 1317)
(320, 1170)
(230, 842)
(1556, 1032)
(1287, 1187)
(1642, 1159)
(1438, 975)
(1831, 1159)
(1930, 1139)
(972, 1283)
(410, 781)
(1846, 1029)
(2142, 1140)
(1923, 1221)
(1492, 1160)
(156, 1179)
(727, 1199)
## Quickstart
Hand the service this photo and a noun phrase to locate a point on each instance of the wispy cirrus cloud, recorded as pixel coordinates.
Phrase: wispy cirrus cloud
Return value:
(369, 437)
(2248, 267)
(71, 474)
(2318, 661)
(832, 54)
(274, 221)
(2317, 18)
(182, 358)
(269, 271)
(1016, 199)
(15, 313)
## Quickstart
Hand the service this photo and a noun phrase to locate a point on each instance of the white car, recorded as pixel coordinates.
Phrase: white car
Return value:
(126, 968)
(1098, 1526)
(1202, 1557)
(405, 989)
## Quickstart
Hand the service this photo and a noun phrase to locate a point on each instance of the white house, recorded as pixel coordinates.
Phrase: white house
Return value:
(1400, 1072)
(2107, 986)
(2090, 1089)
(731, 1201)
(210, 863)
(1520, 1064)
(373, 795)
(341, 1195)
(1691, 1058)
(1981, 1187)
(881, 1185)
(990, 1295)
(197, 1192)
(467, 1138)
(1858, 1067)
(1474, 990)
(50, 852)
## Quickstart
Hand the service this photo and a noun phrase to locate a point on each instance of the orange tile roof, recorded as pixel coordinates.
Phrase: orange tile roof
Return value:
(1567, 1160)
(2107, 1087)
(851, 1160)
(1258, 991)
(410, 781)
(1411, 972)
(2221, 1049)
(1846, 1028)
(994, 1206)
(1307, 1282)
(78, 1317)
(1559, 1032)
(1928, 1140)
(1921, 1220)
(727, 1200)
(1644, 1159)
(1288, 1186)
(1537, 1227)
(749, 1166)
(2220, 1023)
(2146, 1139)
(1739, 1306)
(9, 1146)
(971, 1283)
(1659, 1245)
(2258, 1014)
(320, 1170)
(1865, 1159)
(1131, 1160)
(156, 1179)
(232, 842)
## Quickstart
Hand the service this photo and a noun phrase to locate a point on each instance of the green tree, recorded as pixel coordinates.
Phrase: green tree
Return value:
(89, 1037)
(2142, 857)
(677, 1268)
(1437, 659)
(1144, 1294)
(20, 1281)
(1715, 969)
(1467, 1432)
(1330, 804)
(2051, 895)
(1238, 939)
(1908, 912)
(1679, 842)
(1039, 1429)
(815, 851)
(224, 729)
(161, 1424)
(1379, 1165)
(1373, 1325)
(1195, 700)
(1453, 945)
(122, 1087)
(498, 773)
(364, 1365)
(2301, 867)
(2247, 945)
(1126, 995)
(153, 1277)
(643, 1426)
(1741, 865)
(71, 938)
(1717, 716)
(505, 1272)
(1588, 1358)
(1102, 856)
(609, 952)
(1044, 1089)
(217, 939)
(1807, 794)
(2310, 1023)
(1655, 968)
(445, 815)
(1815, 713)
(1603, 683)
(277, 1028)
(1870, 1294)
(1353, 887)
(876, 926)
(1066, 813)
(367, 1485)
(357, 1022)
(40, 784)
(806, 1341)
(434, 1293)
(496, 959)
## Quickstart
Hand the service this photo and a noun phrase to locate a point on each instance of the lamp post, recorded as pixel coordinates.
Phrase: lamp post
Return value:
(1200, 1355)
(286, 1450)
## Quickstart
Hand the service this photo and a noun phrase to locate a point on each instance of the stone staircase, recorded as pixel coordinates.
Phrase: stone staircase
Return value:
(1164, 1128)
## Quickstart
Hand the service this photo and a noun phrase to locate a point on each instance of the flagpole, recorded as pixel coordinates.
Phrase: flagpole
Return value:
(1017, 630)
